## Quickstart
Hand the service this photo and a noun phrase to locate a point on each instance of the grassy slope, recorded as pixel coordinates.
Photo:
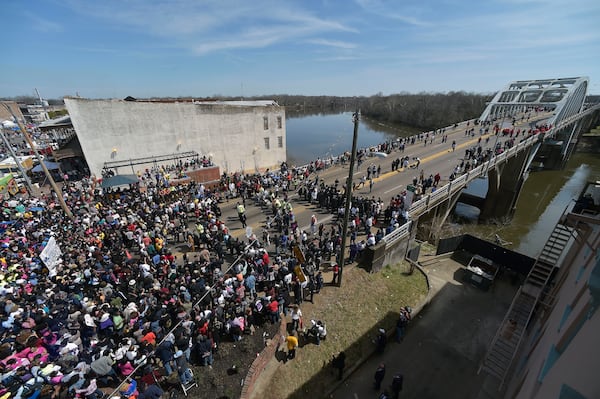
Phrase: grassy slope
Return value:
(353, 314)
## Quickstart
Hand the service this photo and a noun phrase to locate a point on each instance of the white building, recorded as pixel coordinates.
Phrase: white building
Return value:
(560, 357)
(237, 136)
(552, 349)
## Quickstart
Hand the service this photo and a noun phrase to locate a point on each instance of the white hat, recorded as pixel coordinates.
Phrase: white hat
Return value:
(88, 320)
(381, 330)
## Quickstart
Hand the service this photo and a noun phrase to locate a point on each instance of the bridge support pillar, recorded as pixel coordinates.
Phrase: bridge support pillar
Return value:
(432, 222)
(504, 186)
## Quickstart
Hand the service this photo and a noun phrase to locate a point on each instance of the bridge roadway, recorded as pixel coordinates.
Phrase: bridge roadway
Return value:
(435, 158)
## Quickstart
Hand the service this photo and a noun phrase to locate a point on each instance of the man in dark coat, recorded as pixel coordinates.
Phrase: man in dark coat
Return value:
(379, 374)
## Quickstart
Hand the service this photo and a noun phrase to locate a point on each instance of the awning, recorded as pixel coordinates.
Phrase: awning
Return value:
(119, 180)
(71, 150)
(49, 164)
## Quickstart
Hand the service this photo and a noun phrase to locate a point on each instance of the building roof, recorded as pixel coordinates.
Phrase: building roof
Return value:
(242, 103)
(205, 101)
(11, 160)
(60, 121)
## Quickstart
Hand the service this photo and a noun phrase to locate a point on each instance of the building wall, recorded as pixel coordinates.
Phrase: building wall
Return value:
(562, 351)
(234, 136)
(6, 115)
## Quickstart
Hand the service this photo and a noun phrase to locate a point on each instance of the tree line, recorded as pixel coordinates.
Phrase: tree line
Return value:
(422, 111)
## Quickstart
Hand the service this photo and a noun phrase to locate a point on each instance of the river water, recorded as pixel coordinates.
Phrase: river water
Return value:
(543, 198)
(323, 135)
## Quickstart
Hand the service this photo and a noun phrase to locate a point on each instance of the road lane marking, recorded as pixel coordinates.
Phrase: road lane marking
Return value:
(394, 189)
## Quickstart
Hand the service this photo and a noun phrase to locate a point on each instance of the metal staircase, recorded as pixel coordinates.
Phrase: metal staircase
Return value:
(506, 342)
(504, 346)
(556, 244)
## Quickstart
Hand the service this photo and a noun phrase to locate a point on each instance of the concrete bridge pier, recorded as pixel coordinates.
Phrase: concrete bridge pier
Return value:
(582, 126)
(431, 223)
(504, 185)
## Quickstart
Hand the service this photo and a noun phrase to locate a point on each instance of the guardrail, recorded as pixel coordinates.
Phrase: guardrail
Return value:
(569, 120)
(399, 233)
(444, 193)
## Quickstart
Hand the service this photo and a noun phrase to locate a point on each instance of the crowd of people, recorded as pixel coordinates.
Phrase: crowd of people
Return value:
(116, 302)
(100, 299)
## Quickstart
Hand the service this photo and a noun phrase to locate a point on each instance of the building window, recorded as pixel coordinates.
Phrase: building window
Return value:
(279, 122)
(280, 141)
(267, 145)
(266, 122)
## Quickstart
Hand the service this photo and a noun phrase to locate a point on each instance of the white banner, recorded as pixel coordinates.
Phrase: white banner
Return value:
(51, 256)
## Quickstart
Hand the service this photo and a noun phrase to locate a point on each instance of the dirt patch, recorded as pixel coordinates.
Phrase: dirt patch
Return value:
(231, 363)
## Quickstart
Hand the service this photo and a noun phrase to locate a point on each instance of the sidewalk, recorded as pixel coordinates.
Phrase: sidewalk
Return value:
(444, 343)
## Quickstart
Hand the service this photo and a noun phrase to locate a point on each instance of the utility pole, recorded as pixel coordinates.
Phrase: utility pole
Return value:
(355, 119)
(58, 192)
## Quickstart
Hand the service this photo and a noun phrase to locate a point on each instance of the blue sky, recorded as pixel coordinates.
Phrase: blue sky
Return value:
(143, 48)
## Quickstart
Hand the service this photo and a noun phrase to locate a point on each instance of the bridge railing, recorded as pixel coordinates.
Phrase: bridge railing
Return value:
(398, 233)
(419, 207)
(445, 192)
(439, 193)
(571, 119)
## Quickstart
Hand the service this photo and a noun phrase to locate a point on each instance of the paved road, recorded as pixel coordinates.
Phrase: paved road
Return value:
(435, 158)
(444, 344)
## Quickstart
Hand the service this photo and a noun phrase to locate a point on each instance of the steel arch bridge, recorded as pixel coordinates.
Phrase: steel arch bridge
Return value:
(564, 97)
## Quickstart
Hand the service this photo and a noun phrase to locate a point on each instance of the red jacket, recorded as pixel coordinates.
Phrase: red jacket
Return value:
(273, 306)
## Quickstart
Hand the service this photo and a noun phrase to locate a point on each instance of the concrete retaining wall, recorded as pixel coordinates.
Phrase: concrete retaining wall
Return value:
(376, 257)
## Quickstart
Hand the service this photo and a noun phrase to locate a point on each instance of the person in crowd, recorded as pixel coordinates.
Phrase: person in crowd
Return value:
(318, 330)
(397, 385)
(292, 344)
(183, 369)
(379, 376)
(381, 341)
